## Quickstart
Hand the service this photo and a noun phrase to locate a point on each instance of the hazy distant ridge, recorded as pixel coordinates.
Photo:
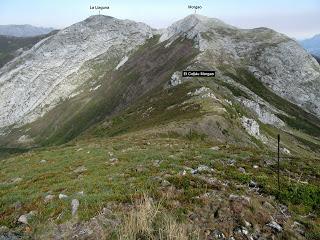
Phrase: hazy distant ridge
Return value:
(312, 45)
(23, 30)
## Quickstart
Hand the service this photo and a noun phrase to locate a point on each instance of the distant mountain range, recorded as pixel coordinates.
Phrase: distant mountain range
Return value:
(23, 30)
(312, 45)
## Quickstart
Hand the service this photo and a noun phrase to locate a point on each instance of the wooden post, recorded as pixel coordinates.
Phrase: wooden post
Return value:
(279, 164)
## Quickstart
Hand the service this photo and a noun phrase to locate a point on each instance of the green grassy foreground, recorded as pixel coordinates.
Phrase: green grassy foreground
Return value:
(118, 169)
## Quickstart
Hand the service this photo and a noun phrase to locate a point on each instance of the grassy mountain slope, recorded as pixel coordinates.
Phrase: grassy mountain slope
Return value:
(153, 148)
(113, 172)
(148, 67)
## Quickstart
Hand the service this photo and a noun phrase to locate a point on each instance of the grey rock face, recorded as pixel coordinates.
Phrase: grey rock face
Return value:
(276, 60)
(264, 113)
(176, 79)
(251, 126)
(292, 73)
(41, 77)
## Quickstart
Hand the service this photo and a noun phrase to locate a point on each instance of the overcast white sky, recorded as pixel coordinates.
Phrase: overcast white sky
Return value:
(296, 18)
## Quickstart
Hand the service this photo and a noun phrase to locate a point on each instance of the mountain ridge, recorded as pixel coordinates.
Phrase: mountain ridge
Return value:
(312, 45)
(73, 57)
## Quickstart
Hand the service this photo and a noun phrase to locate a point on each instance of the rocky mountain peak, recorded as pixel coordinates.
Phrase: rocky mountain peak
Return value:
(192, 25)
(51, 75)
(200, 19)
(95, 18)
(108, 25)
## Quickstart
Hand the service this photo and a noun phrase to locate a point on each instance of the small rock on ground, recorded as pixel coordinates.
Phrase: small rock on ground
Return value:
(215, 148)
(80, 169)
(49, 198)
(24, 218)
(17, 180)
(62, 196)
(275, 226)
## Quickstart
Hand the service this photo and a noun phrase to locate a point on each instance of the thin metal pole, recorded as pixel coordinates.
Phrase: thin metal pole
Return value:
(279, 163)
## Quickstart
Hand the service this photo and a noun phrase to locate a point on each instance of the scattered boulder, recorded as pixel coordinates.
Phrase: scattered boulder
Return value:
(156, 163)
(183, 173)
(48, 198)
(175, 79)
(43, 161)
(17, 180)
(241, 230)
(247, 223)
(62, 196)
(255, 166)
(113, 160)
(81, 193)
(140, 169)
(165, 183)
(201, 168)
(110, 154)
(215, 148)
(231, 162)
(275, 226)
(251, 126)
(253, 184)
(234, 197)
(284, 210)
(24, 218)
(242, 170)
(298, 227)
(80, 169)
(74, 206)
(286, 151)
(216, 234)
